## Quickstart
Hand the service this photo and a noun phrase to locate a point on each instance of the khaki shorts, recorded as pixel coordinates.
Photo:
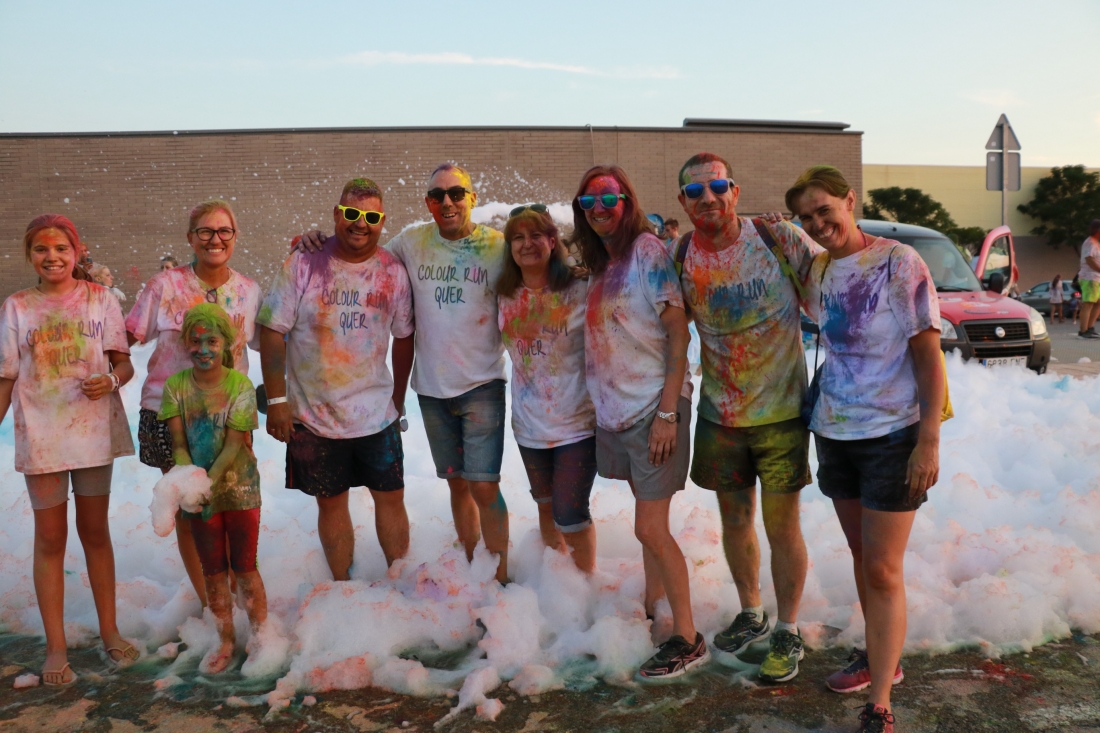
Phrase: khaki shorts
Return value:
(731, 459)
(625, 456)
(48, 490)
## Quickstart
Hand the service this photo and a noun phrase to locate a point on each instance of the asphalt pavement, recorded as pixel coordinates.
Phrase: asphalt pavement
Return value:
(1067, 351)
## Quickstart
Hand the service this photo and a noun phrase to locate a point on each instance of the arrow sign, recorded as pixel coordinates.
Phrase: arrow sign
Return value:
(1003, 137)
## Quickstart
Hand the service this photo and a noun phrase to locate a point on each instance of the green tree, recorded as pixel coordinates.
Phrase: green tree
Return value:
(913, 206)
(1065, 202)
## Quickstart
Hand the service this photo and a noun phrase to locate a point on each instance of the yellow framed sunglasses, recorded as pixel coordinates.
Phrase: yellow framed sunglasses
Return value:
(353, 214)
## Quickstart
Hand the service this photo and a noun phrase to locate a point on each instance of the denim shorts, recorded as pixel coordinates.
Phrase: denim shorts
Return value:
(870, 470)
(327, 467)
(731, 459)
(466, 433)
(625, 456)
(562, 476)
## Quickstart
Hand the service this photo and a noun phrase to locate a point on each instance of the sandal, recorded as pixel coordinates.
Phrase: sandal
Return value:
(56, 677)
(129, 655)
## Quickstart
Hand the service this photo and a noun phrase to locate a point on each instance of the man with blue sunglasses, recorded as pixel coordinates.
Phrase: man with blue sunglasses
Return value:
(742, 280)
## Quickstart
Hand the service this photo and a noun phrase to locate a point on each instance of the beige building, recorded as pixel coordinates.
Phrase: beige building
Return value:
(961, 190)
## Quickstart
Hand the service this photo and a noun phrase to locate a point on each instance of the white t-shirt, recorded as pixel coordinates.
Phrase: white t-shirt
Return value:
(626, 345)
(49, 345)
(338, 317)
(868, 381)
(458, 344)
(543, 331)
(159, 311)
(1056, 293)
(1089, 248)
(746, 310)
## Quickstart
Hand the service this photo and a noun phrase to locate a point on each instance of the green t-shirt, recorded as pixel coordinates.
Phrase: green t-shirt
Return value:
(206, 414)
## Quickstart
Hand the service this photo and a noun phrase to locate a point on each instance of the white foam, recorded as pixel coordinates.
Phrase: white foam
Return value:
(1005, 555)
(183, 487)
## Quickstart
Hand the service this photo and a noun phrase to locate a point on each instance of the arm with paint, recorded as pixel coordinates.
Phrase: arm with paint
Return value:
(180, 453)
(6, 387)
(273, 364)
(102, 385)
(662, 435)
(924, 464)
(234, 440)
(402, 357)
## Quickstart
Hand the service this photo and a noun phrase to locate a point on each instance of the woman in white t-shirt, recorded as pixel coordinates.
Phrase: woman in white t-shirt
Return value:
(877, 420)
(158, 315)
(1056, 300)
(541, 319)
(63, 357)
(636, 339)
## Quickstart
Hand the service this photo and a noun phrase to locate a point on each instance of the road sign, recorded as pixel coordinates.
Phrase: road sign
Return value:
(1003, 137)
(996, 176)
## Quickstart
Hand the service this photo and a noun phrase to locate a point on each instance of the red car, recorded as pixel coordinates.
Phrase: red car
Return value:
(977, 319)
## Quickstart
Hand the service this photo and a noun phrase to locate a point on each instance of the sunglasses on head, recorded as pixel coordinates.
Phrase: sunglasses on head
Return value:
(457, 193)
(353, 214)
(718, 187)
(607, 200)
(539, 208)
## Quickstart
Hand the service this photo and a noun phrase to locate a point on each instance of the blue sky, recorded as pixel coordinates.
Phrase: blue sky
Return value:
(925, 81)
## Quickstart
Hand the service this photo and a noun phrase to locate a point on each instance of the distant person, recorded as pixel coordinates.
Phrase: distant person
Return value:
(1089, 276)
(101, 275)
(1056, 300)
(672, 230)
(84, 258)
(168, 262)
(1074, 306)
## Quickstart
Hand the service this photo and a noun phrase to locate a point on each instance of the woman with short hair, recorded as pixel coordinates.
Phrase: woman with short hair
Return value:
(636, 339)
(877, 420)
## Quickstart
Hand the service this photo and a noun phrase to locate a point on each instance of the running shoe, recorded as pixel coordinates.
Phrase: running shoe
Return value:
(857, 675)
(744, 630)
(675, 657)
(875, 719)
(781, 664)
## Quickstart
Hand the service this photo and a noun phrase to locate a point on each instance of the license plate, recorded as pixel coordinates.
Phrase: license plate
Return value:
(1006, 361)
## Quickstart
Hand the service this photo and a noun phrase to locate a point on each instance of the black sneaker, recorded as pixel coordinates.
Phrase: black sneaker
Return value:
(744, 630)
(786, 652)
(874, 719)
(675, 657)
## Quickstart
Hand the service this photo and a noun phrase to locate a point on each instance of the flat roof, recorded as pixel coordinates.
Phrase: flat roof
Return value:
(690, 125)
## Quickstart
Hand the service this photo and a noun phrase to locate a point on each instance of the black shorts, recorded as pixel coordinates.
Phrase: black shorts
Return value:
(154, 441)
(327, 467)
(562, 476)
(871, 470)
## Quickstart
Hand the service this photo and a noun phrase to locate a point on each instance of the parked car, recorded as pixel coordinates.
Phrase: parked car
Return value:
(978, 319)
(1039, 296)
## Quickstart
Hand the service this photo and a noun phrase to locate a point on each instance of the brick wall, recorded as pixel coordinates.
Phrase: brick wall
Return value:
(129, 193)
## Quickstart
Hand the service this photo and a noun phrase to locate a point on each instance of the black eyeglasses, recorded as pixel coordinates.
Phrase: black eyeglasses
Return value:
(205, 235)
(457, 193)
(540, 208)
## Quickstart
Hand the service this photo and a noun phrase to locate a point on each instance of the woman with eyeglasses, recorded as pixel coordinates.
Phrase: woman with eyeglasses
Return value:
(541, 319)
(636, 339)
(158, 315)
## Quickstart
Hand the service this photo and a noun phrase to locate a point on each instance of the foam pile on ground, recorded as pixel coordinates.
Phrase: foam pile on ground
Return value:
(183, 487)
(1005, 555)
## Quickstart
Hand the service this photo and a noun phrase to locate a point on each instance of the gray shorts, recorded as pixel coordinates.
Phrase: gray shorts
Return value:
(625, 456)
(48, 490)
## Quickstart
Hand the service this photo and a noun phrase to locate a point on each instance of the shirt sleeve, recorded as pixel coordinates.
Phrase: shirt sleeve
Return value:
(242, 413)
(279, 310)
(142, 321)
(170, 400)
(658, 274)
(114, 327)
(403, 323)
(396, 247)
(814, 285)
(912, 293)
(257, 297)
(9, 341)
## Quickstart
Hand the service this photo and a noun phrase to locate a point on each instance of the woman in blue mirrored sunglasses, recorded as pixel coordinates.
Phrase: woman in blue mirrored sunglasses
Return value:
(719, 187)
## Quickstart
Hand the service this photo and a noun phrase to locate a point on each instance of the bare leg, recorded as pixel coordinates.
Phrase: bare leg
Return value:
(494, 521)
(1086, 315)
(391, 521)
(850, 514)
(51, 530)
(583, 546)
(885, 535)
(337, 534)
(782, 522)
(667, 561)
(654, 585)
(551, 535)
(465, 513)
(255, 597)
(739, 540)
(221, 604)
(95, 536)
(1094, 311)
(189, 555)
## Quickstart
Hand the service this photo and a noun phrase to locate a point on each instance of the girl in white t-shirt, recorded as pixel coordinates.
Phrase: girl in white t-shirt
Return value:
(158, 315)
(541, 319)
(1056, 300)
(63, 357)
(877, 420)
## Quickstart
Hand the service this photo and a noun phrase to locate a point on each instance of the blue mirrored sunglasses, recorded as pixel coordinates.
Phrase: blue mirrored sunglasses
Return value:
(607, 200)
(718, 187)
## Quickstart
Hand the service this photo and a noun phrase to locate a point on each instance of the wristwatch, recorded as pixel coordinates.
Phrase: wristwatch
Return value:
(672, 417)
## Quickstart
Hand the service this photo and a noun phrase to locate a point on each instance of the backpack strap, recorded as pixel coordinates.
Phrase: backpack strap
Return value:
(682, 252)
(766, 234)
